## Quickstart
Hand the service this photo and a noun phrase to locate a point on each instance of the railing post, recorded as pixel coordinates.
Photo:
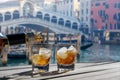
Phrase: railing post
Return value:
(4, 55)
(78, 42)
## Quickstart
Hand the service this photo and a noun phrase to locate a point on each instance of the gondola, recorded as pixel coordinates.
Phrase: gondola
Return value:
(85, 46)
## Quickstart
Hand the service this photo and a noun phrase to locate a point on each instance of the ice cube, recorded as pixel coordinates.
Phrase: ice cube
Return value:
(73, 49)
(45, 52)
(62, 52)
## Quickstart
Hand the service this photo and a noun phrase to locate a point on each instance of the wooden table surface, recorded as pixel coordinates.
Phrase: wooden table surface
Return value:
(83, 71)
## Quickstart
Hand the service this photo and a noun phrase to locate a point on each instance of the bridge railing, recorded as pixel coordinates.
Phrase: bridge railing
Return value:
(48, 24)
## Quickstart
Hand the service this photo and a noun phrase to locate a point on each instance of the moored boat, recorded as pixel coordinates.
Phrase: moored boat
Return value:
(16, 54)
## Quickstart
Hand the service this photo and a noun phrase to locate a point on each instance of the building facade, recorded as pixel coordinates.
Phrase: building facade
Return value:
(79, 9)
(105, 15)
(84, 15)
(67, 7)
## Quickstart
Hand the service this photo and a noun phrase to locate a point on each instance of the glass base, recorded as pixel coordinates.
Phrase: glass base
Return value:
(67, 67)
(43, 68)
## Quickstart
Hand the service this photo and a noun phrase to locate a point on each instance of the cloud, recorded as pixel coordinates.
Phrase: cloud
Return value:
(1, 1)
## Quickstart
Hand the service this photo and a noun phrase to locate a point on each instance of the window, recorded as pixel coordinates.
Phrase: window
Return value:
(115, 26)
(71, 7)
(115, 17)
(82, 4)
(67, 1)
(103, 21)
(119, 5)
(86, 11)
(115, 5)
(118, 16)
(95, 21)
(87, 3)
(82, 12)
(107, 6)
(82, 19)
(110, 25)
(105, 17)
(118, 25)
(91, 12)
(67, 13)
(100, 12)
(104, 3)
(86, 18)
(97, 4)
(106, 26)
(71, 13)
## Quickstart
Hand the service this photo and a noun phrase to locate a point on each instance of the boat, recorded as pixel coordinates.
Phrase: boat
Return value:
(85, 46)
(16, 54)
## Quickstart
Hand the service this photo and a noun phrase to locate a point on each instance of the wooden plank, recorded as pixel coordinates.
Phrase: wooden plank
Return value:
(87, 70)
(100, 75)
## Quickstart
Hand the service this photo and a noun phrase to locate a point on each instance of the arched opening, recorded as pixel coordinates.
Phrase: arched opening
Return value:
(75, 25)
(54, 19)
(61, 21)
(39, 15)
(47, 17)
(68, 23)
(28, 10)
(16, 14)
(1, 17)
(7, 16)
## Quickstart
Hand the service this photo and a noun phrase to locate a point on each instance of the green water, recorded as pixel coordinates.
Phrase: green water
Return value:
(96, 53)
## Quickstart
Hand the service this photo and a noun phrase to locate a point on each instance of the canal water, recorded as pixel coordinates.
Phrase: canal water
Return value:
(96, 53)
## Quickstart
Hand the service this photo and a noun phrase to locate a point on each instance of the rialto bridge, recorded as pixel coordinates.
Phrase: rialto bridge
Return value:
(14, 13)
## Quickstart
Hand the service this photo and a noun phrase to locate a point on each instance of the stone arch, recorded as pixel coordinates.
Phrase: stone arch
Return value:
(74, 25)
(7, 16)
(39, 15)
(1, 17)
(61, 21)
(16, 14)
(68, 23)
(28, 10)
(54, 19)
(47, 17)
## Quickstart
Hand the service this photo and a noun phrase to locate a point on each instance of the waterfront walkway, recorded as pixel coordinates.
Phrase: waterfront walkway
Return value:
(83, 71)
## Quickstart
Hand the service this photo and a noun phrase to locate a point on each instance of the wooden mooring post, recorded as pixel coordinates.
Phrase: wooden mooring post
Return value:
(4, 55)
(30, 37)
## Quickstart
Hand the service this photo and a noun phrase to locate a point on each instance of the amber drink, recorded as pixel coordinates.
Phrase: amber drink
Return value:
(42, 59)
(66, 57)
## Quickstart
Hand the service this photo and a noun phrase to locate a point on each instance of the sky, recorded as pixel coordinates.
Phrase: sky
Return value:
(3, 1)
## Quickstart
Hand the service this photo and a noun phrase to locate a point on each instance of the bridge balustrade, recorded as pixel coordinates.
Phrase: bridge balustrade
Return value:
(55, 27)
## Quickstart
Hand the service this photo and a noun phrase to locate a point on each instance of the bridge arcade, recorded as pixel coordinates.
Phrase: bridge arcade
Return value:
(29, 9)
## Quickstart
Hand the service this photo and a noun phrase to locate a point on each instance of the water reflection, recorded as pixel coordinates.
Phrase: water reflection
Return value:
(100, 53)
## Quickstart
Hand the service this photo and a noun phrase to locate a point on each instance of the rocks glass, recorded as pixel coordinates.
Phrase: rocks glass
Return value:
(66, 58)
(41, 54)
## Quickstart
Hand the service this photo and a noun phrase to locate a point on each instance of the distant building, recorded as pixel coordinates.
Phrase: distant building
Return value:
(105, 15)
(84, 15)
(67, 7)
